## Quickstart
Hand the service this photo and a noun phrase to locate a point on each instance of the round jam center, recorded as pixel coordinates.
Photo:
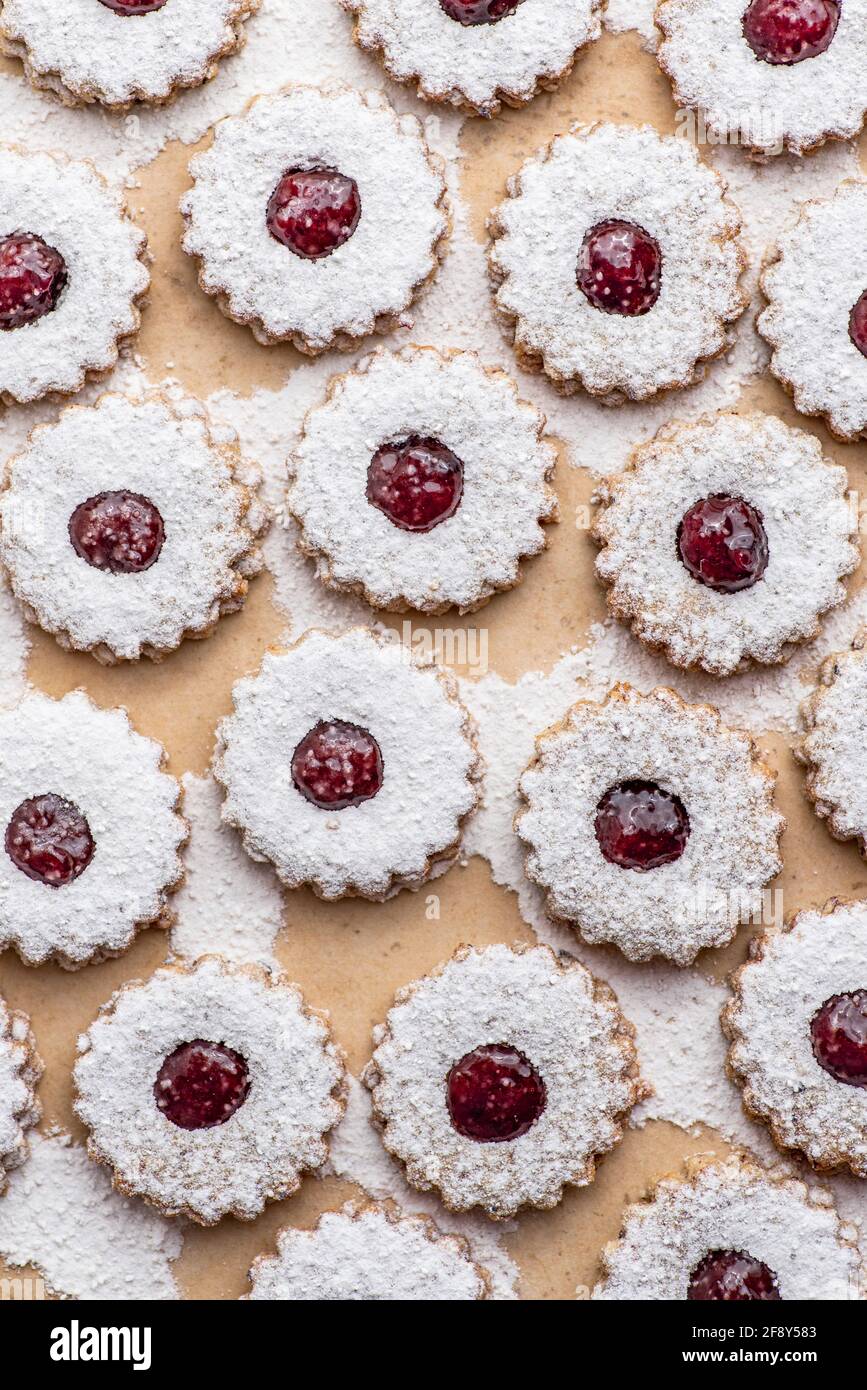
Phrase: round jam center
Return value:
(640, 826)
(619, 268)
(730, 1276)
(201, 1084)
(49, 840)
(839, 1033)
(494, 1094)
(858, 325)
(313, 211)
(723, 543)
(337, 765)
(788, 31)
(417, 483)
(32, 275)
(133, 6)
(479, 11)
(117, 531)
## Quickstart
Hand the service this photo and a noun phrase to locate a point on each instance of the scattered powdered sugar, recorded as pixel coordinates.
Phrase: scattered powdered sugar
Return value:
(628, 16)
(15, 647)
(835, 743)
(227, 905)
(62, 1215)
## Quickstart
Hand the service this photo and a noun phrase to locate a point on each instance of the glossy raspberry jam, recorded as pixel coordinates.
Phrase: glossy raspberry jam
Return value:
(640, 826)
(416, 483)
(313, 211)
(201, 1084)
(32, 277)
(730, 1276)
(121, 532)
(839, 1035)
(723, 543)
(49, 840)
(858, 324)
(337, 765)
(784, 32)
(620, 268)
(133, 7)
(494, 1094)
(473, 12)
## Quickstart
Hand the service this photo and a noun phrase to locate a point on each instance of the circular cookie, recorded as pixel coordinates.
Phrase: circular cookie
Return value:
(125, 528)
(294, 210)
(617, 262)
(91, 831)
(724, 541)
(422, 482)
(771, 75)
(649, 824)
(208, 1090)
(370, 1252)
(502, 1077)
(797, 1025)
(72, 274)
(20, 1070)
(476, 54)
(730, 1232)
(348, 764)
(833, 747)
(117, 52)
(816, 319)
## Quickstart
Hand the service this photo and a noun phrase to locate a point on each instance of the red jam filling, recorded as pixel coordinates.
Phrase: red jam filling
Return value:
(788, 31)
(468, 12)
(620, 268)
(313, 211)
(117, 531)
(640, 826)
(730, 1276)
(839, 1034)
(130, 7)
(49, 840)
(417, 483)
(858, 325)
(723, 543)
(494, 1094)
(201, 1084)
(337, 765)
(32, 276)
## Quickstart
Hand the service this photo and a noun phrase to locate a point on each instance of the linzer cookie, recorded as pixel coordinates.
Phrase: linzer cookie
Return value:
(117, 52)
(293, 216)
(125, 528)
(476, 54)
(348, 764)
(833, 747)
(20, 1070)
(502, 1077)
(72, 274)
(209, 1089)
(730, 1231)
(422, 482)
(723, 542)
(816, 321)
(772, 75)
(370, 1252)
(616, 262)
(649, 824)
(91, 831)
(797, 1024)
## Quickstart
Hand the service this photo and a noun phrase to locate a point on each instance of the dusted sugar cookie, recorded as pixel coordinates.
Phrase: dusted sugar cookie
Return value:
(723, 542)
(91, 831)
(502, 1077)
(730, 1232)
(117, 52)
(833, 747)
(772, 74)
(72, 274)
(369, 1252)
(20, 1070)
(208, 1089)
(815, 283)
(316, 216)
(476, 54)
(148, 529)
(422, 482)
(649, 824)
(349, 765)
(797, 1024)
(616, 262)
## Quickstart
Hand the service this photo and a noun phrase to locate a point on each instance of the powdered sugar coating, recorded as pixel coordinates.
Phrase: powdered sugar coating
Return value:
(70, 206)
(811, 527)
(364, 283)
(155, 448)
(472, 411)
(278, 1133)
(86, 52)
(769, 107)
(790, 975)
(392, 840)
(835, 745)
(372, 1253)
(732, 851)
(20, 1070)
(93, 758)
(812, 284)
(730, 1205)
(477, 66)
(590, 175)
(568, 1026)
